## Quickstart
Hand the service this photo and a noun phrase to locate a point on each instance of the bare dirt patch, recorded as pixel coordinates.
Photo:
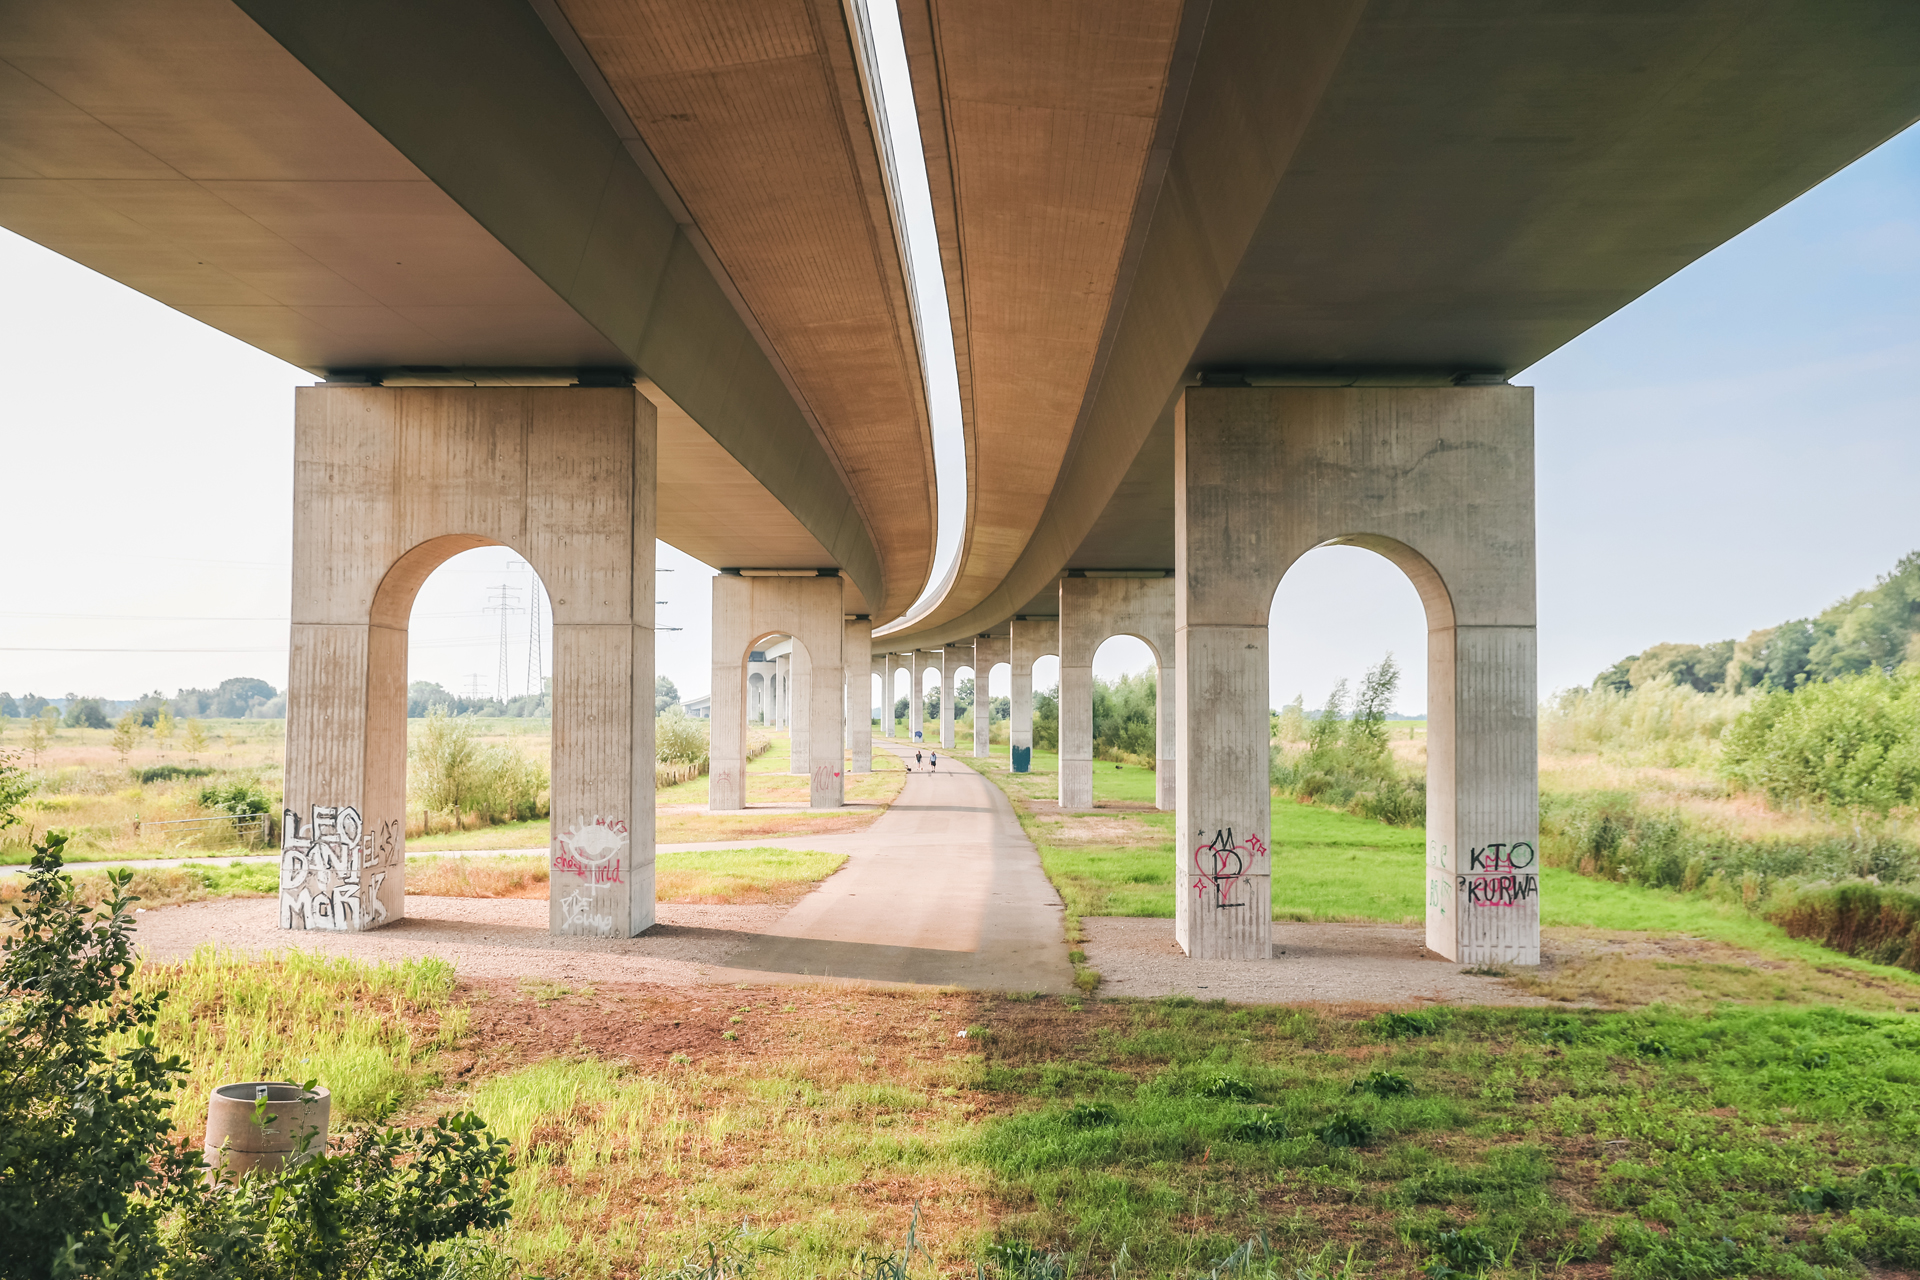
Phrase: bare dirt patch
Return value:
(1336, 964)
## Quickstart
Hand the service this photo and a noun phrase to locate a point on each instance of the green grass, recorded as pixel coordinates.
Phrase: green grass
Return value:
(366, 1031)
(1663, 1144)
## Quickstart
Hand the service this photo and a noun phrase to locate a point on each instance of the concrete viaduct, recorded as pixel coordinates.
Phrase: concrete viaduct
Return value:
(1229, 280)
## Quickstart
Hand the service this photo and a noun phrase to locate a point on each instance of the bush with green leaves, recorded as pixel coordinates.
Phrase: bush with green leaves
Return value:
(16, 787)
(241, 798)
(97, 1183)
(451, 771)
(1348, 762)
(678, 738)
(1851, 743)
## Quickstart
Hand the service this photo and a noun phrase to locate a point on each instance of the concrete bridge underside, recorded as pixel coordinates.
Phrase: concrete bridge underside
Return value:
(1189, 247)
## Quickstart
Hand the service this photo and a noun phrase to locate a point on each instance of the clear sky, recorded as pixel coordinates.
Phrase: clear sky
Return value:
(1736, 448)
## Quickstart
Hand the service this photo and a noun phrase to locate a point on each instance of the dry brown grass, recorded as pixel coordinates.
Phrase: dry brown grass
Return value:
(160, 886)
(1620, 970)
(745, 877)
(478, 877)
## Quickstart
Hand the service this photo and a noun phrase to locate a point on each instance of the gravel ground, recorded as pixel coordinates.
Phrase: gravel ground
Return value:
(1330, 963)
(483, 937)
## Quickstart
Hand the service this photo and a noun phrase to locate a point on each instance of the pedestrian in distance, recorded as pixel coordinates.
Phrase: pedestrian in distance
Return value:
(933, 762)
(917, 757)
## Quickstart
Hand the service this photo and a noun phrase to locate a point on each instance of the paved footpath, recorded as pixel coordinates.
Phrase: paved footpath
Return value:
(943, 890)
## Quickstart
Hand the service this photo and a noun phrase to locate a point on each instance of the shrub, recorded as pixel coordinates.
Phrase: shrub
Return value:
(1849, 743)
(1347, 763)
(241, 799)
(451, 770)
(173, 773)
(1863, 920)
(1347, 1129)
(97, 1185)
(678, 738)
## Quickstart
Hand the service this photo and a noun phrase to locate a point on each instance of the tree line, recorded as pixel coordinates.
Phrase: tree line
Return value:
(1877, 629)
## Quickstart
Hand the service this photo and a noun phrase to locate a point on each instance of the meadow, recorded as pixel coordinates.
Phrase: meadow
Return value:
(153, 808)
(805, 1131)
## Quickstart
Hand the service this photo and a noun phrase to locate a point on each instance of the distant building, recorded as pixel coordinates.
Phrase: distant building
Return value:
(700, 708)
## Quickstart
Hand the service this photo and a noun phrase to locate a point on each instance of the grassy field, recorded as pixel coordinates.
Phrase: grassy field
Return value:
(1111, 1137)
(87, 793)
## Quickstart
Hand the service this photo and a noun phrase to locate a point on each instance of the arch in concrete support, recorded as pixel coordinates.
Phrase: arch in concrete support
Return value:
(1093, 611)
(565, 477)
(748, 611)
(1440, 482)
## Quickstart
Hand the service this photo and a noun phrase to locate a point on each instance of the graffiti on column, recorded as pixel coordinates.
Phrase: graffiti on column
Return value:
(1499, 875)
(593, 852)
(329, 869)
(1221, 863)
(823, 776)
(1436, 884)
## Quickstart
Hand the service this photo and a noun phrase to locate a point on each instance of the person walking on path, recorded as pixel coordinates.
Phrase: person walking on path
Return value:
(933, 762)
(917, 757)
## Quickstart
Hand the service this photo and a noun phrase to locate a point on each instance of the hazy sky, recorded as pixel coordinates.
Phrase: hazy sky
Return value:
(1736, 448)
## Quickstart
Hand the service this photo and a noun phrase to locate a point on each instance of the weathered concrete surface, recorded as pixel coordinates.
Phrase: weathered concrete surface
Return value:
(988, 652)
(857, 697)
(747, 611)
(1092, 611)
(1440, 481)
(944, 890)
(390, 482)
(1028, 642)
(953, 656)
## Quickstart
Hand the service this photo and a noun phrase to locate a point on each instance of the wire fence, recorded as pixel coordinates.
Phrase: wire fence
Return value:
(254, 828)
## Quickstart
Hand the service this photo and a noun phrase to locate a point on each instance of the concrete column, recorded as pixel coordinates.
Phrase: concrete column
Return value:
(916, 700)
(950, 659)
(780, 676)
(800, 686)
(1030, 640)
(390, 482)
(748, 610)
(1438, 480)
(987, 651)
(1092, 611)
(857, 699)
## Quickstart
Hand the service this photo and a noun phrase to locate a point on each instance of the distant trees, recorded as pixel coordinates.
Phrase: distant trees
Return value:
(8, 707)
(230, 700)
(665, 695)
(86, 713)
(32, 705)
(1124, 718)
(1873, 630)
(1046, 719)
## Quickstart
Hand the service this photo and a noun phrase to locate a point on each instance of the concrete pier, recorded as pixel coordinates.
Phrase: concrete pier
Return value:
(857, 697)
(988, 652)
(917, 664)
(748, 609)
(1438, 480)
(1031, 639)
(1094, 609)
(389, 483)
